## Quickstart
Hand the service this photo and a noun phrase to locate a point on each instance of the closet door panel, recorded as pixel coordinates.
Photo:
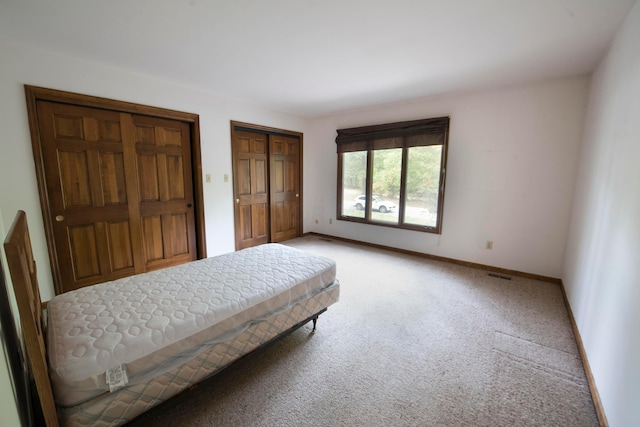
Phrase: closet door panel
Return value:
(119, 235)
(120, 192)
(251, 192)
(83, 241)
(82, 153)
(285, 187)
(117, 183)
(114, 191)
(166, 198)
(180, 228)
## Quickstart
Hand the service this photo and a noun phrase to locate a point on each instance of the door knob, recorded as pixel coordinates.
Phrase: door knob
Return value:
(297, 195)
(237, 200)
(59, 218)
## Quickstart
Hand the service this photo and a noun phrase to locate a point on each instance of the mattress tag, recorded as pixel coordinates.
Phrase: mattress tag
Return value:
(116, 378)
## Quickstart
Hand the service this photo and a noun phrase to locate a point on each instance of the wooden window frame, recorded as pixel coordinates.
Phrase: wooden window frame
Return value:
(367, 139)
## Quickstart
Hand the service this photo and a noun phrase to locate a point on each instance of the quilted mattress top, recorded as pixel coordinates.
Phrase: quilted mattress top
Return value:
(93, 329)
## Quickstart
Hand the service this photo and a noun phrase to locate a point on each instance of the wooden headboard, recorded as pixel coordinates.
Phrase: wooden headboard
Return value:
(22, 267)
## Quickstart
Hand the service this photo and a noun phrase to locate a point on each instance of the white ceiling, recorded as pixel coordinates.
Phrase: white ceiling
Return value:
(317, 57)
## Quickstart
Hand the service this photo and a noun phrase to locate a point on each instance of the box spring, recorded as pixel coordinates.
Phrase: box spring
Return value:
(124, 405)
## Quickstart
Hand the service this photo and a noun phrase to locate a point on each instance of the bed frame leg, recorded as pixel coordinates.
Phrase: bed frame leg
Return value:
(315, 320)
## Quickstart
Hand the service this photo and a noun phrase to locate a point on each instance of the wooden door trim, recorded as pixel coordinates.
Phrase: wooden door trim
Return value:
(235, 125)
(34, 94)
(250, 127)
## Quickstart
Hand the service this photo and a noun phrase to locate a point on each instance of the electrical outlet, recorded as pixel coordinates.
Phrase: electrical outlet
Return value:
(489, 244)
(226, 177)
(208, 178)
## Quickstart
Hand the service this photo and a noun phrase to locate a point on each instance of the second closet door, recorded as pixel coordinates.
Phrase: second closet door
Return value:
(266, 176)
(284, 178)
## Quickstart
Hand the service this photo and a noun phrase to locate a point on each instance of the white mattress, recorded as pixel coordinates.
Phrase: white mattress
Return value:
(150, 323)
(113, 409)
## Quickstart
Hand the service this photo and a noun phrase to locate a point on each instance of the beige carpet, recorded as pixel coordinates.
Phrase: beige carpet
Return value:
(412, 342)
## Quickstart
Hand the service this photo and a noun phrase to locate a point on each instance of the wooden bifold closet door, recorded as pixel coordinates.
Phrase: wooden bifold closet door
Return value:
(267, 184)
(120, 192)
(284, 179)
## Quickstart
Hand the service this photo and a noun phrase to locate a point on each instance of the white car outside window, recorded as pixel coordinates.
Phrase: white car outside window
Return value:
(379, 204)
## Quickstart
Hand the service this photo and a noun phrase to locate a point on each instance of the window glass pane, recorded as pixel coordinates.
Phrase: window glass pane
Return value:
(423, 182)
(354, 183)
(387, 166)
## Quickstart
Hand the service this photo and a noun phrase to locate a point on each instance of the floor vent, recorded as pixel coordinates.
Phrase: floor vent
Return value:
(499, 276)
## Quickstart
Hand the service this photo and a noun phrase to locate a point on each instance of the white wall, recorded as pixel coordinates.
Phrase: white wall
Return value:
(512, 161)
(18, 187)
(602, 269)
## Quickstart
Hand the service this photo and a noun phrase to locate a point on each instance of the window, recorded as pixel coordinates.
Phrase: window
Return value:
(393, 174)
